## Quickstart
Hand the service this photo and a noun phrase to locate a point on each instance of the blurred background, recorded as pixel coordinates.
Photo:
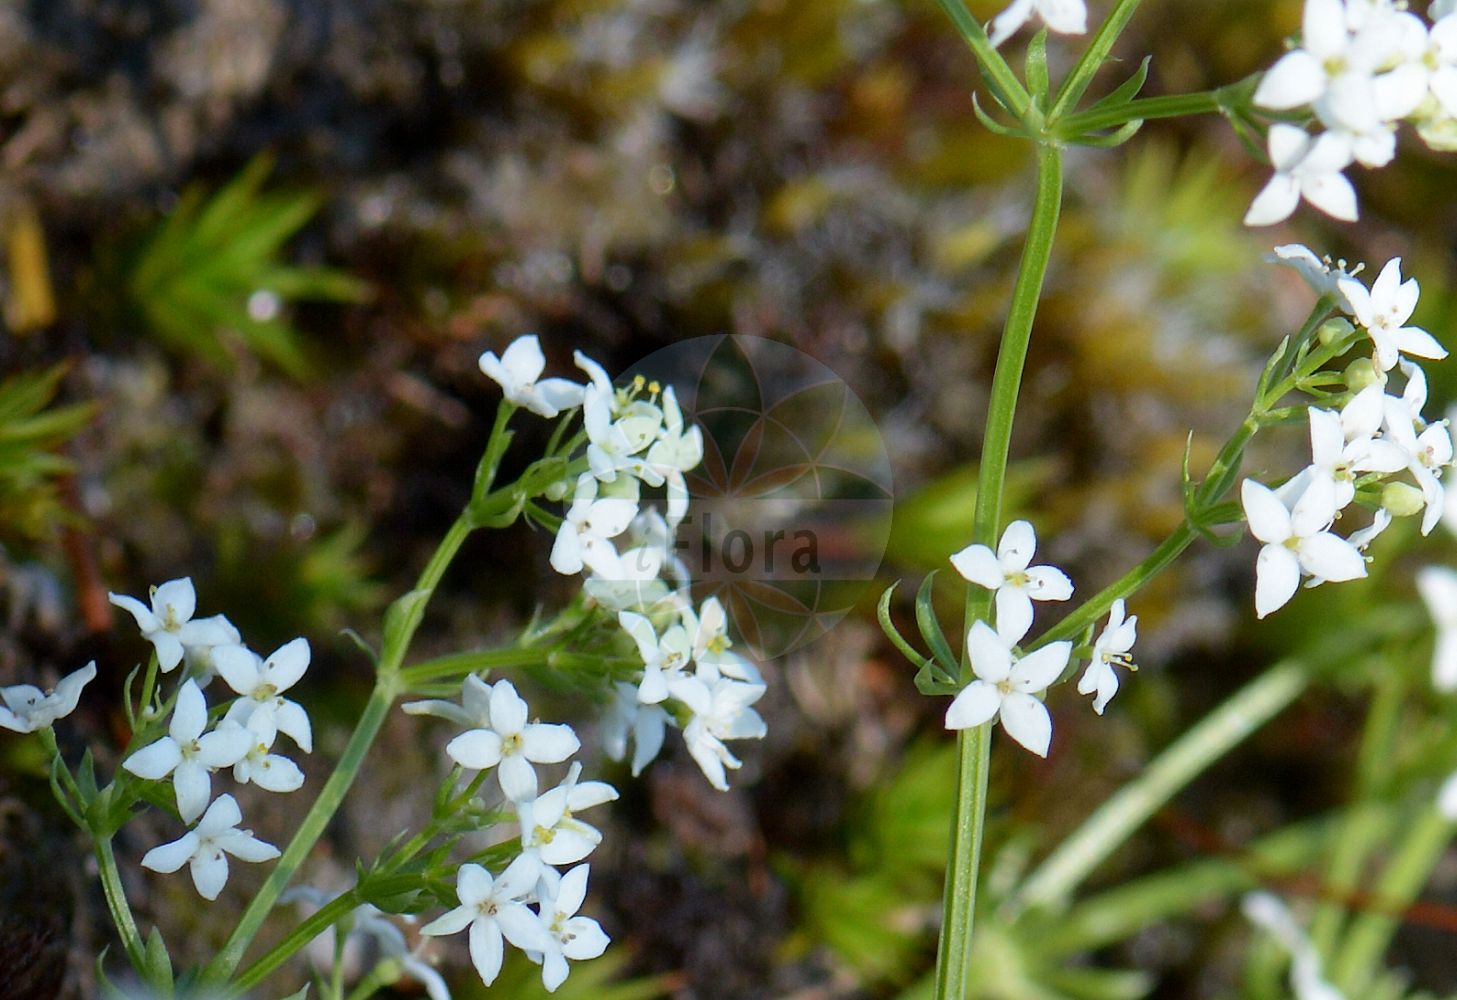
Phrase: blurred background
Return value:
(253, 248)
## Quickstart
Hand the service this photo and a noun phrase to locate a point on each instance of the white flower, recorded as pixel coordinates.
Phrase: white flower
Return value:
(518, 372)
(1293, 544)
(720, 707)
(1321, 273)
(1443, 52)
(570, 936)
(369, 921)
(1008, 687)
(168, 623)
(618, 437)
(513, 744)
(188, 755)
(1008, 574)
(625, 716)
(1438, 587)
(474, 711)
(1272, 916)
(1342, 446)
(664, 657)
(207, 845)
(1110, 649)
(1384, 310)
(262, 683)
(676, 451)
(492, 909)
(584, 538)
(28, 708)
(1067, 17)
(550, 830)
(1305, 167)
(270, 771)
(199, 659)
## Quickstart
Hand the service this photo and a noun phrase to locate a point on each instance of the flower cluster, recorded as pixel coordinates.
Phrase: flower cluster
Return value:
(1010, 687)
(690, 678)
(1360, 440)
(499, 735)
(1362, 68)
(196, 746)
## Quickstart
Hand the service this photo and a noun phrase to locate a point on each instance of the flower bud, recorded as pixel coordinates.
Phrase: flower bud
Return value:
(1402, 499)
(1333, 330)
(558, 490)
(1362, 373)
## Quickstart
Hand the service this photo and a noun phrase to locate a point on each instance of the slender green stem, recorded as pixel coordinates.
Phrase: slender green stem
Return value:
(1095, 607)
(1095, 119)
(121, 911)
(953, 961)
(1053, 882)
(381, 975)
(381, 698)
(311, 927)
(460, 664)
(1358, 957)
(1092, 59)
(998, 74)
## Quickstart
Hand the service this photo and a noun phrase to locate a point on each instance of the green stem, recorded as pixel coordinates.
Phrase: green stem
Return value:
(1054, 881)
(998, 74)
(460, 664)
(381, 975)
(315, 924)
(121, 911)
(953, 960)
(1359, 955)
(1096, 119)
(1092, 59)
(1095, 607)
(376, 710)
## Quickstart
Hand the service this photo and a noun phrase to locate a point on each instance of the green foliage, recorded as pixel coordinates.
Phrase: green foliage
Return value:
(194, 275)
(30, 432)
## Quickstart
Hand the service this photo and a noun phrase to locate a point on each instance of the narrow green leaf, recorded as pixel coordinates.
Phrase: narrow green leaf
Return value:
(1037, 79)
(158, 964)
(931, 627)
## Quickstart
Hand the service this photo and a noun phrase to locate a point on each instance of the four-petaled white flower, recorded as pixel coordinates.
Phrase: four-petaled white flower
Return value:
(1438, 587)
(549, 828)
(1067, 17)
(647, 724)
(513, 744)
(518, 372)
(664, 656)
(1007, 687)
(569, 936)
(721, 711)
(168, 624)
(1343, 445)
(617, 438)
(207, 845)
(1321, 274)
(473, 712)
(1007, 573)
(1383, 311)
(584, 538)
(491, 907)
(261, 766)
(1110, 649)
(189, 755)
(1294, 543)
(262, 683)
(1306, 167)
(27, 708)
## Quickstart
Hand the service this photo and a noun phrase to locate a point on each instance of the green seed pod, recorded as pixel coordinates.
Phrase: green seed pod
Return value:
(1333, 330)
(1361, 373)
(1402, 499)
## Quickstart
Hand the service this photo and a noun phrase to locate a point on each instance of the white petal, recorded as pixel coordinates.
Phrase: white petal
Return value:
(239, 666)
(287, 664)
(450, 923)
(1027, 721)
(1014, 614)
(1331, 558)
(1277, 577)
(1276, 200)
(1295, 80)
(175, 599)
(486, 949)
(193, 787)
(209, 872)
(155, 760)
(242, 845)
(977, 564)
(1037, 670)
(517, 778)
(1006, 23)
(1268, 519)
(573, 890)
(1332, 194)
(1048, 583)
(1418, 342)
(508, 709)
(477, 749)
(293, 722)
(1017, 546)
(169, 857)
(523, 359)
(548, 744)
(976, 703)
(146, 621)
(990, 658)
